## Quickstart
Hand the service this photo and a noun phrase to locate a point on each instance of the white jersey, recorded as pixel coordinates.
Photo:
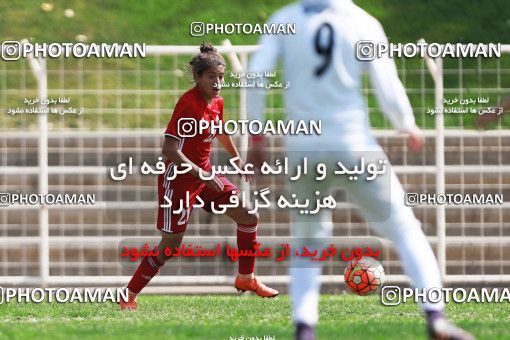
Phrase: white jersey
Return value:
(324, 75)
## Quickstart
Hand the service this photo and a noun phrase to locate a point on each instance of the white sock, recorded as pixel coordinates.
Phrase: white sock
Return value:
(304, 290)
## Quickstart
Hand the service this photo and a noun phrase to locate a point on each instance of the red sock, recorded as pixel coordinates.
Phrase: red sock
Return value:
(246, 239)
(147, 269)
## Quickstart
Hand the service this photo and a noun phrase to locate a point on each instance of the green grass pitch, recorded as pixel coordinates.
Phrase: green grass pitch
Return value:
(251, 317)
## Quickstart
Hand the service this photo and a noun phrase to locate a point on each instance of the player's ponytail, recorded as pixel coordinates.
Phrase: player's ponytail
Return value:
(208, 57)
(207, 48)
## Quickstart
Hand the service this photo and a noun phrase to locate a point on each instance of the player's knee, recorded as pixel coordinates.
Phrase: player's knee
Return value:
(242, 216)
(246, 218)
(162, 258)
(250, 218)
(165, 253)
(167, 246)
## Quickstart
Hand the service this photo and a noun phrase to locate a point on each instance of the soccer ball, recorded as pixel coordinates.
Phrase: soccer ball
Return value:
(364, 276)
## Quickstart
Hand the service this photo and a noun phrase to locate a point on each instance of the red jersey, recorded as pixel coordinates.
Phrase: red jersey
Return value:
(193, 107)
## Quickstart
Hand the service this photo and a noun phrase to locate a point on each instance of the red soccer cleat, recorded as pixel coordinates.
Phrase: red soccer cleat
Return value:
(131, 304)
(254, 285)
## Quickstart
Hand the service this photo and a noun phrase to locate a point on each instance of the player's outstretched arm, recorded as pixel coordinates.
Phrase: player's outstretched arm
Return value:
(415, 139)
(392, 96)
(172, 152)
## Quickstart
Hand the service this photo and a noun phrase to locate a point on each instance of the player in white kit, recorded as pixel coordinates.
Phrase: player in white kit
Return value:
(324, 76)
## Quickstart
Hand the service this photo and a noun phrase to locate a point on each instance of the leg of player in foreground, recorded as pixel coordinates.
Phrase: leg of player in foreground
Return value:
(381, 203)
(148, 268)
(246, 239)
(245, 280)
(246, 228)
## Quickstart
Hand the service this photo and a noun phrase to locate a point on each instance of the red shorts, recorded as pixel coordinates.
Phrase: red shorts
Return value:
(177, 191)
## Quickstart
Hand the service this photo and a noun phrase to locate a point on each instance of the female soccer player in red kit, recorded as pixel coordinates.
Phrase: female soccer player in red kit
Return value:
(200, 103)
